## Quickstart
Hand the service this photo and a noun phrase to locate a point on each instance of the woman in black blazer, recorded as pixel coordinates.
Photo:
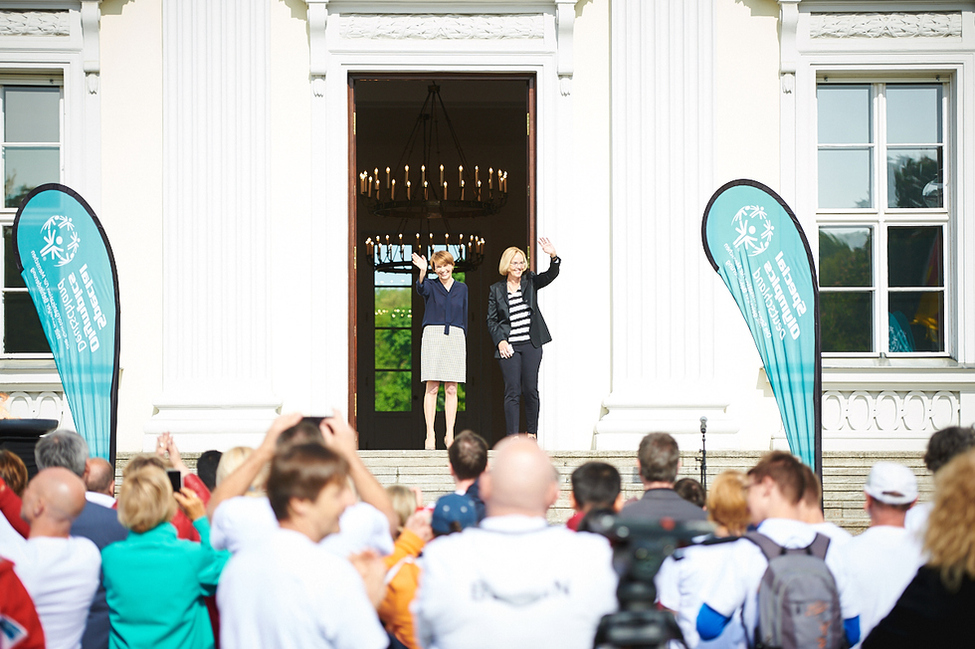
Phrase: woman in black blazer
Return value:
(519, 331)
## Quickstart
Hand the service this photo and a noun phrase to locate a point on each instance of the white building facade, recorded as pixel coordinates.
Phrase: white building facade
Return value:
(217, 143)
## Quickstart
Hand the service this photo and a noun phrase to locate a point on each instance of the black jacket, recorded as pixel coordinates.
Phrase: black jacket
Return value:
(499, 318)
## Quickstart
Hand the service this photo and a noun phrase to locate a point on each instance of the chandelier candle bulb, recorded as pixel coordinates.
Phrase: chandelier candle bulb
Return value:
(426, 190)
(478, 186)
(370, 186)
(406, 176)
(445, 190)
(423, 174)
(392, 190)
(477, 175)
(462, 189)
(441, 174)
(408, 194)
(387, 177)
(460, 175)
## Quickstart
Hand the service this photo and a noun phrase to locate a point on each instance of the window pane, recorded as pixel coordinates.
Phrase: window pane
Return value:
(394, 307)
(461, 398)
(914, 177)
(27, 168)
(915, 255)
(22, 332)
(916, 322)
(393, 349)
(914, 113)
(31, 114)
(845, 256)
(846, 321)
(11, 278)
(844, 114)
(845, 178)
(393, 391)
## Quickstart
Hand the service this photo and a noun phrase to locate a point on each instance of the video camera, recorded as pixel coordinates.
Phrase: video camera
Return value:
(639, 549)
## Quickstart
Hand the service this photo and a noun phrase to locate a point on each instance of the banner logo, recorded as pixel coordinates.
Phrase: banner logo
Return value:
(54, 231)
(754, 229)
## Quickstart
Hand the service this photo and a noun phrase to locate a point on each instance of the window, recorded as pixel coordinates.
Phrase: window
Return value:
(30, 136)
(883, 214)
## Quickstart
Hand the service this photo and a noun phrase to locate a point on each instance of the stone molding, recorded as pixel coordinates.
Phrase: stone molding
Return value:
(885, 25)
(34, 23)
(442, 27)
(890, 412)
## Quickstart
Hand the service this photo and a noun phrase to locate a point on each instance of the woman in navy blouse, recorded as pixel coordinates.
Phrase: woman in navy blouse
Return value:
(443, 350)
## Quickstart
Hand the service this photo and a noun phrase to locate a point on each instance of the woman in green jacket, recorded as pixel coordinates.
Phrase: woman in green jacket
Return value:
(154, 582)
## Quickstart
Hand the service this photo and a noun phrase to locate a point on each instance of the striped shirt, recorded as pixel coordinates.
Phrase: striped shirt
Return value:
(521, 316)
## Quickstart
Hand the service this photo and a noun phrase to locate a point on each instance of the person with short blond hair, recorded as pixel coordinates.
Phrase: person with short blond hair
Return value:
(155, 582)
(443, 348)
(518, 331)
(684, 575)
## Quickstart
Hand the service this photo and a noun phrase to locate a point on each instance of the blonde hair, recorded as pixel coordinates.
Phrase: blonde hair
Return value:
(950, 538)
(141, 461)
(404, 503)
(507, 256)
(145, 499)
(727, 502)
(232, 459)
(441, 258)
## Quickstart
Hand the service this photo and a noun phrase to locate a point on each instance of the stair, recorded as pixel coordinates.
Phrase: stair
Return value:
(844, 474)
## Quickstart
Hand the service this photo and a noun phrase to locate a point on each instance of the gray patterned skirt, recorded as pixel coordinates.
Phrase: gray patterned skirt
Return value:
(443, 357)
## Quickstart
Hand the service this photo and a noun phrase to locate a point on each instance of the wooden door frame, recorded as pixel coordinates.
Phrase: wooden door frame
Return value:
(531, 78)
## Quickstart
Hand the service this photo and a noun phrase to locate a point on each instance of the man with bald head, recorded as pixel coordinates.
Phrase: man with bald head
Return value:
(515, 581)
(61, 572)
(100, 480)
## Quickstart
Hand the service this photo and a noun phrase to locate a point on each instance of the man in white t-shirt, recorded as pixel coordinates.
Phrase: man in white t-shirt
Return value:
(776, 485)
(884, 559)
(238, 521)
(285, 590)
(61, 572)
(515, 582)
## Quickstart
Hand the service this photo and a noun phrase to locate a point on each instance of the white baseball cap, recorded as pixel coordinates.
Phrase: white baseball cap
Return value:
(891, 483)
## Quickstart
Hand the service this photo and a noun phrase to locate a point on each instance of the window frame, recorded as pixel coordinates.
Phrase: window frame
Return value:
(880, 218)
(7, 214)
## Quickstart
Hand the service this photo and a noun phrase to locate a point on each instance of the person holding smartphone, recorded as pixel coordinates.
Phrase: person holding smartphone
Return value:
(443, 350)
(518, 330)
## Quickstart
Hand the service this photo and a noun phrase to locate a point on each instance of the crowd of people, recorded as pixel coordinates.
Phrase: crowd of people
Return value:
(296, 544)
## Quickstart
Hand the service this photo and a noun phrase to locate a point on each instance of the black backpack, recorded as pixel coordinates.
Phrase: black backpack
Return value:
(798, 602)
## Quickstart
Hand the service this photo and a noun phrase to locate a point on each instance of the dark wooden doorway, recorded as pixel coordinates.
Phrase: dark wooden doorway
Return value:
(494, 118)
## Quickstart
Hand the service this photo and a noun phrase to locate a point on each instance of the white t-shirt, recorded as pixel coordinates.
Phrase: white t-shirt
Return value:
(881, 562)
(736, 584)
(514, 582)
(241, 521)
(680, 582)
(289, 593)
(837, 535)
(916, 520)
(61, 575)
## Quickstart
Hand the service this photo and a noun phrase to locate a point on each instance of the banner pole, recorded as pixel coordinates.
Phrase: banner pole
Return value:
(704, 454)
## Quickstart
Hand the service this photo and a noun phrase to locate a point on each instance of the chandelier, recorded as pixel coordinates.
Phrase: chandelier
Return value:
(420, 193)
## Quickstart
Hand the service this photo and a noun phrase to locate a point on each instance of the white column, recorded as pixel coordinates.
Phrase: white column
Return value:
(663, 329)
(216, 375)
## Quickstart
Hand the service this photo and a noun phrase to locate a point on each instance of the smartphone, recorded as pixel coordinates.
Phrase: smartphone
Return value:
(315, 421)
(175, 479)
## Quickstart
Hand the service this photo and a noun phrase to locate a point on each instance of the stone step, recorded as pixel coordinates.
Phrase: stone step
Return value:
(844, 475)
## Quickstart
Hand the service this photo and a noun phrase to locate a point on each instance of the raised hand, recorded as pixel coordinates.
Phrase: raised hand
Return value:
(190, 503)
(547, 246)
(420, 262)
